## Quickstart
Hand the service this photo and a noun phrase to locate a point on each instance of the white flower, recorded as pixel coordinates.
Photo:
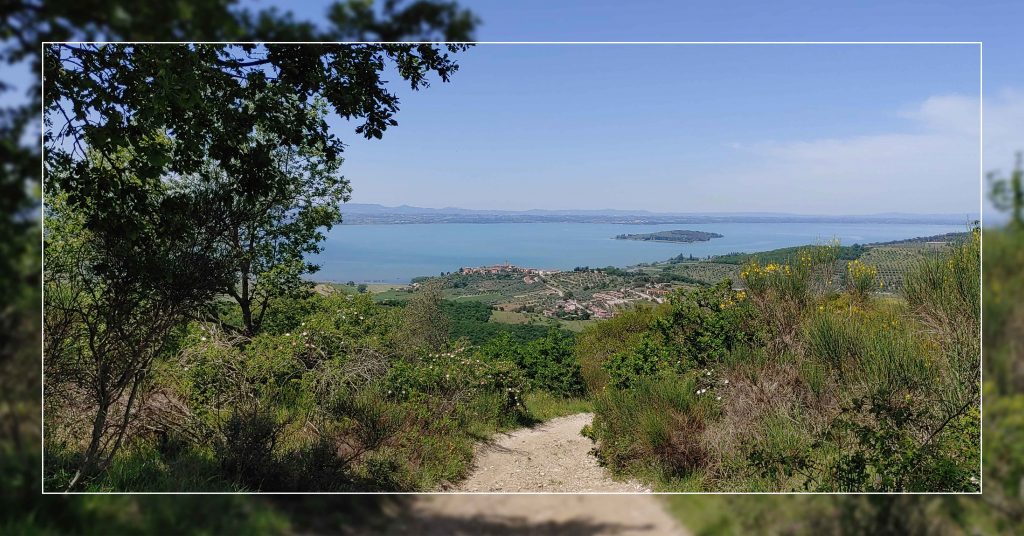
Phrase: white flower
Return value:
(202, 338)
(304, 333)
(726, 382)
(287, 334)
(718, 398)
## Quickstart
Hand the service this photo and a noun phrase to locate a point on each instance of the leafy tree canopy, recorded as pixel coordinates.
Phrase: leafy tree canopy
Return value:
(159, 116)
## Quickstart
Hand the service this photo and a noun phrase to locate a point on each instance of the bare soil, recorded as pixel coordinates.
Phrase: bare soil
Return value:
(549, 457)
(528, 464)
(535, 515)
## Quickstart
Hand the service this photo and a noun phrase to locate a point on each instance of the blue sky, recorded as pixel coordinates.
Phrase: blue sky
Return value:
(690, 128)
(889, 126)
(699, 120)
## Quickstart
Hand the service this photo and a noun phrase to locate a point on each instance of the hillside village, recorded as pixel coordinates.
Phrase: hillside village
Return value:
(583, 293)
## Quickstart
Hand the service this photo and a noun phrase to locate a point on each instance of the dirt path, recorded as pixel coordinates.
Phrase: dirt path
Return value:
(535, 515)
(550, 457)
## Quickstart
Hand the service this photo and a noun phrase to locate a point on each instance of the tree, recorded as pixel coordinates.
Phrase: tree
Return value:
(269, 235)
(425, 327)
(1007, 194)
(160, 153)
(102, 333)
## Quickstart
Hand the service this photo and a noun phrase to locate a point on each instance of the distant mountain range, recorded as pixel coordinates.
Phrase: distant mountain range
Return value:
(361, 213)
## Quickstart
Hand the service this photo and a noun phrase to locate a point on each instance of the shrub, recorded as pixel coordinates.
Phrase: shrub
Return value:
(781, 450)
(648, 359)
(246, 450)
(702, 325)
(944, 295)
(832, 338)
(658, 422)
(550, 364)
(598, 342)
(893, 360)
(780, 293)
(454, 377)
(861, 279)
(315, 466)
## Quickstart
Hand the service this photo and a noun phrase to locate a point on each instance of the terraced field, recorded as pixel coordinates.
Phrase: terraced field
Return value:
(894, 261)
(694, 272)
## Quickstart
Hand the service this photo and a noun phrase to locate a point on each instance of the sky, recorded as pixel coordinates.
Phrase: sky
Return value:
(890, 128)
(801, 129)
(814, 129)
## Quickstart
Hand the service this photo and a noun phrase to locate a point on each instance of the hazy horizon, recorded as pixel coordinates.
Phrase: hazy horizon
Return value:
(412, 205)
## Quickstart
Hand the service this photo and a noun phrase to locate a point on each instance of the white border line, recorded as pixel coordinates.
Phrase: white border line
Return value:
(981, 206)
(981, 268)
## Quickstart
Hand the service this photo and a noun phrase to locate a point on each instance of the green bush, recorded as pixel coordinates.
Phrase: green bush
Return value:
(832, 339)
(246, 453)
(861, 279)
(598, 342)
(457, 375)
(550, 364)
(702, 325)
(798, 384)
(893, 361)
(656, 423)
(649, 358)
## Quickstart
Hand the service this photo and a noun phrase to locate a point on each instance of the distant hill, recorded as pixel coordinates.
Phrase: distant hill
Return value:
(361, 213)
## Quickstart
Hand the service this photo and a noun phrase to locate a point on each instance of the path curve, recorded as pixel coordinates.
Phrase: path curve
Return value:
(549, 457)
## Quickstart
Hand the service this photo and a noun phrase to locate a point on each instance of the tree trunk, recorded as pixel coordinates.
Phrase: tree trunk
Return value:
(245, 303)
(247, 324)
(99, 423)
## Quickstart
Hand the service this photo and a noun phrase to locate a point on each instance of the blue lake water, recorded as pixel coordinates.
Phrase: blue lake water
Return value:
(397, 253)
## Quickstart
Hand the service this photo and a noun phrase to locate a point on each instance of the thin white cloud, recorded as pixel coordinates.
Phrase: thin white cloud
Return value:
(930, 168)
(947, 113)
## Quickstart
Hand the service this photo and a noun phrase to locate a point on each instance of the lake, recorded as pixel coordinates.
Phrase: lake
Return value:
(397, 253)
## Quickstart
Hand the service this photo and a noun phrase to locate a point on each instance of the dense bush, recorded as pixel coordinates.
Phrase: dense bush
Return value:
(597, 343)
(551, 365)
(654, 425)
(548, 362)
(797, 382)
(457, 376)
(325, 398)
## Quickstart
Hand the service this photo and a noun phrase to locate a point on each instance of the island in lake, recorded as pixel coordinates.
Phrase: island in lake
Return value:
(677, 235)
